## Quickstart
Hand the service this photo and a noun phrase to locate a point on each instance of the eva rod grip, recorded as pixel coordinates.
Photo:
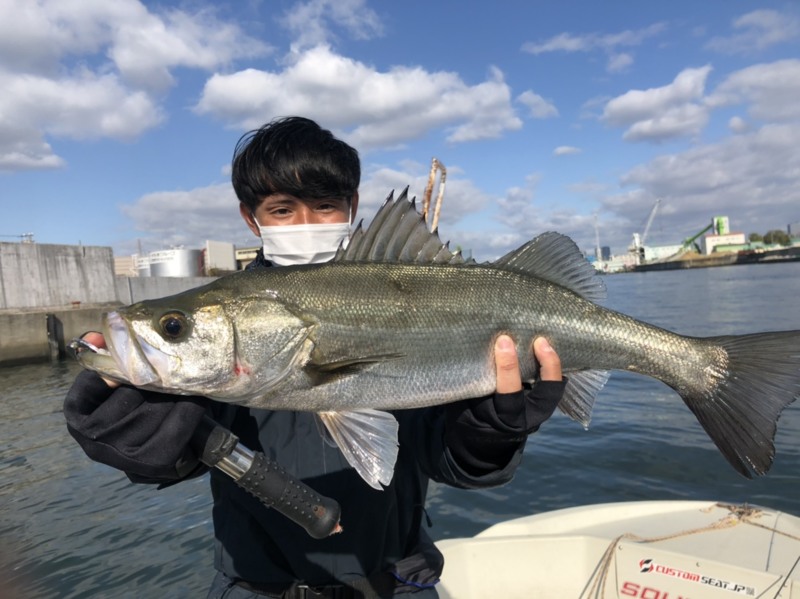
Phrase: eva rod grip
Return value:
(266, 480)
(271, 484)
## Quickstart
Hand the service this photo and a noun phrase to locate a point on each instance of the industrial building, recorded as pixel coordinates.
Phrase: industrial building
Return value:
(216, 258)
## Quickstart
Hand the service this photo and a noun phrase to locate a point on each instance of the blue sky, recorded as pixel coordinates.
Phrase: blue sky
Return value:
(118, 119)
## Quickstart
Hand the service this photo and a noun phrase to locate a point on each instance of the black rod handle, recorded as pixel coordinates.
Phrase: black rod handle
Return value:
(266, 480)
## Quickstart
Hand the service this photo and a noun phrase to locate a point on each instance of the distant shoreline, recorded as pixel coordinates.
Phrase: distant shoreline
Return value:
(789, 254)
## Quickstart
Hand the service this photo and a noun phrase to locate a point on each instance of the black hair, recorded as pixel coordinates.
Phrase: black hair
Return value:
(295, 156)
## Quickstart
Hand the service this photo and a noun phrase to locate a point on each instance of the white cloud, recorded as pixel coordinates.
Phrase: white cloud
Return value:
(758, 30)
(36, 35)
(567, 42)
(566, 151)
(88, 106)
(518, 210)
(771, 89)
(538, 106)
(206, 213)
(589, 187)
(676, 121)
(738, 125)
(461, 195)
(311, 22)
(664, 112)
(212, 212)
(519, 215)
(146, 50)
(90, 69)
(367, 107)
(563, 42)
(682, 108)
(618, 63)
(593, 107)
(737, 177)
(22, 150)
(83, 106)
(609, 43)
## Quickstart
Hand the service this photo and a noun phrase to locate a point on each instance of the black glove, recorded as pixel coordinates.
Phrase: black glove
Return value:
(143, 433)
(483, 433)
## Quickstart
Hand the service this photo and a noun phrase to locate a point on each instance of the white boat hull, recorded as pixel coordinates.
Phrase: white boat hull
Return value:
(648, 549)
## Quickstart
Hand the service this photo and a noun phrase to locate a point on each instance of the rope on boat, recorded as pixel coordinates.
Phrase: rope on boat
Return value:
(737, 514)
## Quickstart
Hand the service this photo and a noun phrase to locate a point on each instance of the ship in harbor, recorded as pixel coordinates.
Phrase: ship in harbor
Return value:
(714, 245)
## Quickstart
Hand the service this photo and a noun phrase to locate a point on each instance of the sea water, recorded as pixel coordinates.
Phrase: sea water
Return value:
(73, 528)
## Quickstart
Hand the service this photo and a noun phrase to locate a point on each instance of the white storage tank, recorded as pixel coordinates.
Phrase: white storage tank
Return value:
(176, 262)
(142, 265)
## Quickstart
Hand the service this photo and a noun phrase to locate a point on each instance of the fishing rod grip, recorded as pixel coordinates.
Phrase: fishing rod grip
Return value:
(266, 480)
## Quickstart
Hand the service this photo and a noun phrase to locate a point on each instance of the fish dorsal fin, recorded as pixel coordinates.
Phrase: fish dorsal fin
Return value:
(398, 233)
(555, 258)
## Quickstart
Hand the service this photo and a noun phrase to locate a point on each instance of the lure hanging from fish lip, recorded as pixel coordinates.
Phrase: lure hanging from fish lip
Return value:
(79, 345)
(96, 358)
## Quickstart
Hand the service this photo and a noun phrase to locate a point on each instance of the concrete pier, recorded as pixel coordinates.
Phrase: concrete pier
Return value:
(50, 294)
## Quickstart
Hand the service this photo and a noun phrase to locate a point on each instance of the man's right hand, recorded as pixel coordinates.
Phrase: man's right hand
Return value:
(143, 433)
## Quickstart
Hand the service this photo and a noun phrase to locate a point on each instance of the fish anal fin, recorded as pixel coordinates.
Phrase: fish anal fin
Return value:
(579, 394)
(368, 441)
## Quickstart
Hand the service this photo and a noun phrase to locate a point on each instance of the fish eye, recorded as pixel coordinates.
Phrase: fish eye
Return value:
(173, 325)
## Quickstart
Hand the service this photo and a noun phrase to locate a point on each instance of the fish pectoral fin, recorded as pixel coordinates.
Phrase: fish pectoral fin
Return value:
(322, 373)
(579, 394)
(368, 441)
(324, 432)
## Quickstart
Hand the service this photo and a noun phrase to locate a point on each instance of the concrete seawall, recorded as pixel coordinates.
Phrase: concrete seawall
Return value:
(50, 294)
(42, 335)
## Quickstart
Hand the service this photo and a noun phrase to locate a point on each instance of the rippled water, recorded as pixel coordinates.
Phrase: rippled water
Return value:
(73, 528)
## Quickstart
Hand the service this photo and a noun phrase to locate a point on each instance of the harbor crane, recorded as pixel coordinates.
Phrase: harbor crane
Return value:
(689, 242)
(638, 241)
(598, 253)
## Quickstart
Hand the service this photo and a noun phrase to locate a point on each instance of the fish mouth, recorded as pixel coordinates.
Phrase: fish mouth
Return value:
(127, 359)
(128, 351)
(96, 358)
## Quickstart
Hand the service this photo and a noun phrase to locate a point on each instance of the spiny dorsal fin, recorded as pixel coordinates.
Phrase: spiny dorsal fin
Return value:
(398, 233)
(555, 258)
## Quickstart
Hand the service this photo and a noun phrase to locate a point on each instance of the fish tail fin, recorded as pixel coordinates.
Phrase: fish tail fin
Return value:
(754, 378)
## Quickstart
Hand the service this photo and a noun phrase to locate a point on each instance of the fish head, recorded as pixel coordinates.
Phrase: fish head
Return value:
(221, 346)
(172, 346)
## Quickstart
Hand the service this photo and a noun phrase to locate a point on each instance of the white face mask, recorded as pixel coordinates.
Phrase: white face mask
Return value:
(285, 245)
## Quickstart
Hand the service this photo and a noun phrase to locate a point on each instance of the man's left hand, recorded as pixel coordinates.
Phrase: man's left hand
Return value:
(509, 379)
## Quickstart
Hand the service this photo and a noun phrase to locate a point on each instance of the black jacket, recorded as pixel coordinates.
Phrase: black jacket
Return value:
(380, 528)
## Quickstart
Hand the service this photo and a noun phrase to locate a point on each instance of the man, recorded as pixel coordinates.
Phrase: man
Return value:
(298, 190)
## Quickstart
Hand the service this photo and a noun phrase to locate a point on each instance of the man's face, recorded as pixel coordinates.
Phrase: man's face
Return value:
(281, 209)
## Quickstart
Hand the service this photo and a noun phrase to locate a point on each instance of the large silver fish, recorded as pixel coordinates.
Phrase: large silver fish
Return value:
(398, 321)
